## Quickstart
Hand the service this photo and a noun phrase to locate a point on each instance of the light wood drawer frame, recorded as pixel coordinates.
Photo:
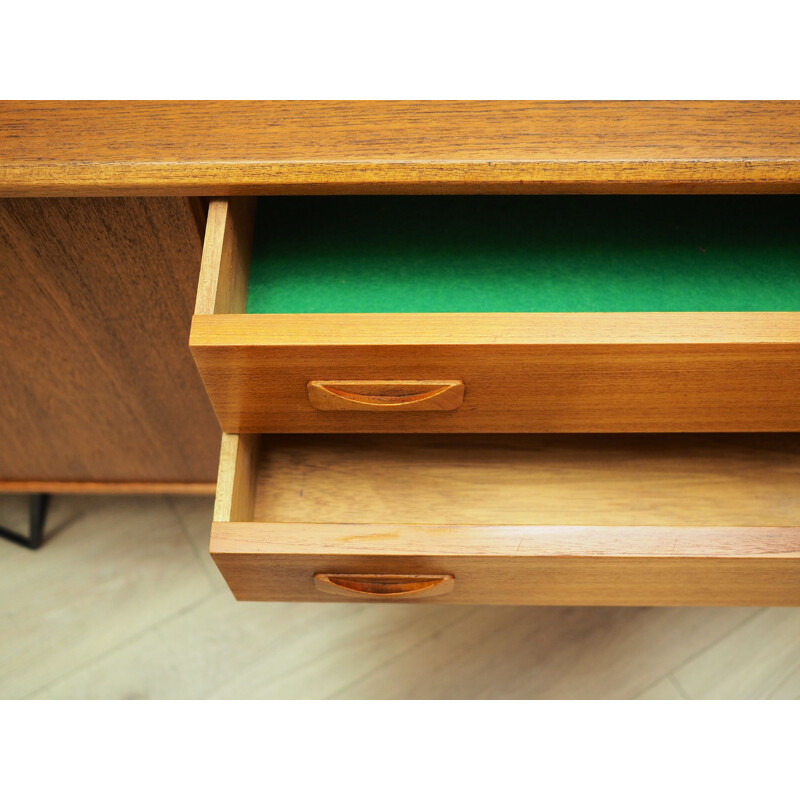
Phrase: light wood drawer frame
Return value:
(579, 372)
(505, 564)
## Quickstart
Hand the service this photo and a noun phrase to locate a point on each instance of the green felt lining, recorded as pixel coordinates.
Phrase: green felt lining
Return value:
(525, 253)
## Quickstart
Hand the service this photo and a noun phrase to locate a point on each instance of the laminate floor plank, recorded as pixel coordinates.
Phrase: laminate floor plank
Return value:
(527, 653)
(110, 568)
(760, 660)
(665, 689)
(195, 514)
(223, 649)
(789, 689)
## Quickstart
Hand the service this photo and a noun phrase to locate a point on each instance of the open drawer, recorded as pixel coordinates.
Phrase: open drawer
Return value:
(528, 314)
(675, 519)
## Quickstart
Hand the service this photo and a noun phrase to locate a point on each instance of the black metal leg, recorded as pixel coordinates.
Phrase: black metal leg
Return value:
(37, 514)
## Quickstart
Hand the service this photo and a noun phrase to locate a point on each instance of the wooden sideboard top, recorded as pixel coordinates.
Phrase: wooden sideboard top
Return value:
(231, 147)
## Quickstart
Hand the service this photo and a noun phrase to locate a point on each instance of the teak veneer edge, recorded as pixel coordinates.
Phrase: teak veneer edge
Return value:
(312, 147)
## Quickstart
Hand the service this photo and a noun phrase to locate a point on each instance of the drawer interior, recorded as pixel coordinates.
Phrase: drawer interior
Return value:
(585, 480)
(429, 254)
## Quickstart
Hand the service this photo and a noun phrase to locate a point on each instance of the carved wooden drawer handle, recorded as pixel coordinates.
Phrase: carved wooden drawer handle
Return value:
(384, 587)
(386, 395)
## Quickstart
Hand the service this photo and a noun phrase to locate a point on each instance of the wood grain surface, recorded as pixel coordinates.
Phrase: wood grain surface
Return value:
(521, 372)
(384, 586)
(594, 520)
(611, 479)
(217, 148)
(391, 396)
(225, 267)
(96, 382)
(506, 575)
(236, 479)
(107, 487)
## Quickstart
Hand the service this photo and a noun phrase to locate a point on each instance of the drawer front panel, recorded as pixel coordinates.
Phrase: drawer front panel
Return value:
(509, 387)
(519, 566)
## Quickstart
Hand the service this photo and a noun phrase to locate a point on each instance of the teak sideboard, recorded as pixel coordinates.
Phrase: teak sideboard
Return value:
(475, 352)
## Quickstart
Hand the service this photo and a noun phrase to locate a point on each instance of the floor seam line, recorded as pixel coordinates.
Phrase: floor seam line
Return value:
(414, 646)
(119, 646)
(195, 551)
(678, 687)
(707, 647)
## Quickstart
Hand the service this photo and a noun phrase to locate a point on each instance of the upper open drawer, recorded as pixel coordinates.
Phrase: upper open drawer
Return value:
(491, 314)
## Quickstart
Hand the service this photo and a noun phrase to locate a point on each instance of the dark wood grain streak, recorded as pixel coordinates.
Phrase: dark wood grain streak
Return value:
(106, 487)
(215, 148)
(96, 380)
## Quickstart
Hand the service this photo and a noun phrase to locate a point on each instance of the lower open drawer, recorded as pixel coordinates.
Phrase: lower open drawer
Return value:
(678, 519)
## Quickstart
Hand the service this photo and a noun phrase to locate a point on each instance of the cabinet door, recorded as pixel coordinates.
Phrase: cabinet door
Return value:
(96, 380)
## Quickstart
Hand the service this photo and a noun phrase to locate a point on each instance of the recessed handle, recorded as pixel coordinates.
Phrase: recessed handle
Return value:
(386, 395)
(384, 587)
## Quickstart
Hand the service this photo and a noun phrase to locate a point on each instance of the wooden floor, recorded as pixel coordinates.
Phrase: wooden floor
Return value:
(124, 602)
